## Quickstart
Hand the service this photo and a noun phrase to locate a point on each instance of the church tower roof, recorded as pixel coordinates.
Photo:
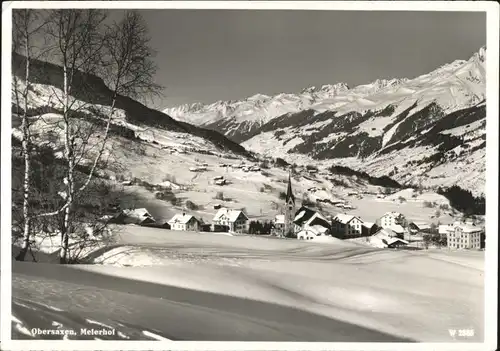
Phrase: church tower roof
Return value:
(289, 192)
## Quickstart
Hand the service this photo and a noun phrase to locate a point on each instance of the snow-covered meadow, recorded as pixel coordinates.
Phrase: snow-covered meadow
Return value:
(418, 295)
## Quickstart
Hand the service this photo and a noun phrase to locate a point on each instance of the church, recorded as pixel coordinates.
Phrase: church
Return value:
(294, 221)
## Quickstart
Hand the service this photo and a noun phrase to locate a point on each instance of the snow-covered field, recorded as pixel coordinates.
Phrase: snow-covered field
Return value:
(416, 295)
(419, 295)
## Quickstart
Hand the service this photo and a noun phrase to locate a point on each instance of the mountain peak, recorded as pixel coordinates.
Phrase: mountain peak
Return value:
(480, 55)
(327, 88)
(258, 97)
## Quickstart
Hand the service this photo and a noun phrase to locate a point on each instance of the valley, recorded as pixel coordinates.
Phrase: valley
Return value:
(419, 131)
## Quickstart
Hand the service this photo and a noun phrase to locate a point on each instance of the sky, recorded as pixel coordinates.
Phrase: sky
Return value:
(210, 55)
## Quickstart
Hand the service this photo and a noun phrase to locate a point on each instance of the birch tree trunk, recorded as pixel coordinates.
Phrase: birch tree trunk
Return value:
(23, 20)
(68, 145)
(27, 170)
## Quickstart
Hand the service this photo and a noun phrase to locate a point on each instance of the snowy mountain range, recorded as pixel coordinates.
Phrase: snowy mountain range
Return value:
(453, 86)
(419, 130)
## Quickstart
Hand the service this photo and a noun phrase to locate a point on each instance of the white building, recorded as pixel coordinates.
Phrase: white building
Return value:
(184, 222)
(279, 223)
(347, 225)
(316, 225)
(464, 236)
(233, 220)
(307, 234)
(391, 219)
(443, 229)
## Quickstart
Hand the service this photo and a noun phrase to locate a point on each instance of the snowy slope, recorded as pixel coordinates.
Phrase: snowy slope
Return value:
(130, 115)
(199, 286)
(345, 281)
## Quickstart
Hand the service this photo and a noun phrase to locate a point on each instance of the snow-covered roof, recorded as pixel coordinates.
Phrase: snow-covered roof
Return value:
(315, 216)
(392, 214)
(279, 219)
(181, 218)
(167, 183)
(394, 240)
(397, 228)
(232, 215)
(368, 224)
(137, 213)
(422, 225)
(317, 223)
(345, 218)
(318, 229)
(300, 215)
(303, 215)
(467, 228)
(385, 232)
(445, 228)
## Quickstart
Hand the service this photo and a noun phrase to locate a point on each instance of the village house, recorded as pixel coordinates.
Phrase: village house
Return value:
(465, 236)
(230, 220)
(139, 216)
(302, 215)
(316, 225)
(279, 224)
(386, 238)
(310, 223)
(369, 228)
(398, 229)
(347, 226)
(419, 227)
(184, 222)
(306, 235)
(156, 225)
(390, 219)
(386, 232)
(307, 218)
(394, 243)
(444, 228)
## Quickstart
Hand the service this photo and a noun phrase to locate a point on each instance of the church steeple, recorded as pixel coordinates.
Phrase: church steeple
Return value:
(289, 193)
(289, 209)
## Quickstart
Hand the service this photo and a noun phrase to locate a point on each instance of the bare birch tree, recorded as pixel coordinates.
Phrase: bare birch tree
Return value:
(122, 56)
(77, 36)
(26, 23)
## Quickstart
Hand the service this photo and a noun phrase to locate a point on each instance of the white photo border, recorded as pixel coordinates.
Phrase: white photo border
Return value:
(491, 252)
